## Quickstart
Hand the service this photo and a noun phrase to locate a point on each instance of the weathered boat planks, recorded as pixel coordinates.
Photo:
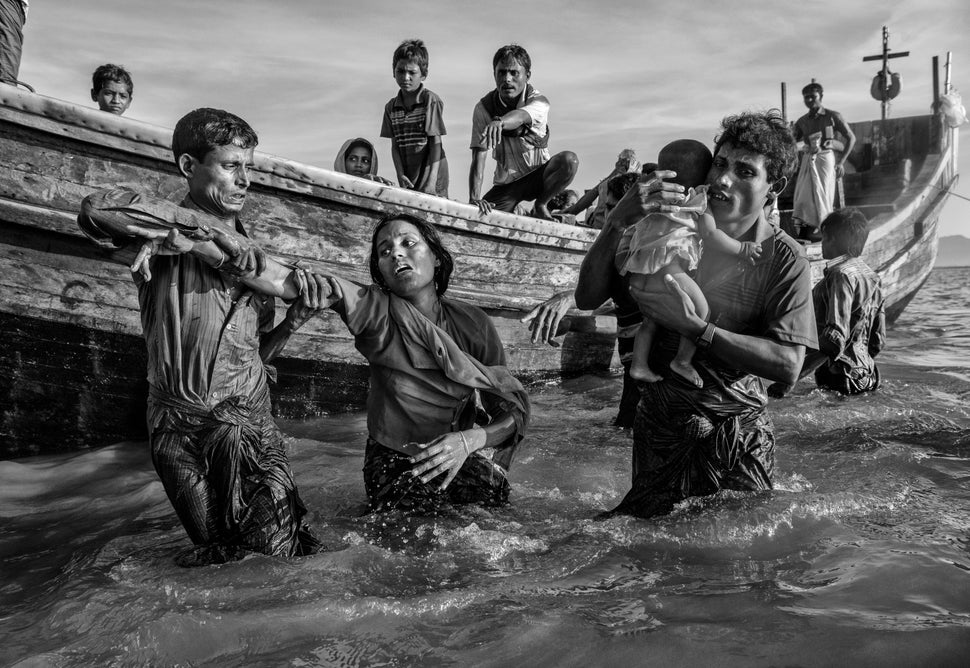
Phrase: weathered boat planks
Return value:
(73, 373)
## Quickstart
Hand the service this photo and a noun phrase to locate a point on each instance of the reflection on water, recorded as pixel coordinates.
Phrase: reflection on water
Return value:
(860, 556)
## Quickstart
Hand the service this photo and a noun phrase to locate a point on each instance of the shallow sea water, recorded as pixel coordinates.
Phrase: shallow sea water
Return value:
(860, 556)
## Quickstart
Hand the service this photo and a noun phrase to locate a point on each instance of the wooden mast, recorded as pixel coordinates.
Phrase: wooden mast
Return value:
(884, 57)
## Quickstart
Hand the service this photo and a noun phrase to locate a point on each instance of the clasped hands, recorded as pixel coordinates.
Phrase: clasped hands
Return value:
(445, 455)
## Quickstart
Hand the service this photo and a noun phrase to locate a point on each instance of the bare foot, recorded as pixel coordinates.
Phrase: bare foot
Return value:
(686, 371)
(541, 211)
(643, 372)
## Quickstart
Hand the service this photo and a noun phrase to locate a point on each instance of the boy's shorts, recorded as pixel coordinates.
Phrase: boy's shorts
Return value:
(504, 197)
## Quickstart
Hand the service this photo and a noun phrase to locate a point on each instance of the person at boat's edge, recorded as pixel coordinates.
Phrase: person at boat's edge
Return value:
(694, 441)
(13, 16)
(357, 157)
(444, 414)
(818, 168)
(849, 311)
(414, 122)
(214, 443)
(511, 121)
(112, 88)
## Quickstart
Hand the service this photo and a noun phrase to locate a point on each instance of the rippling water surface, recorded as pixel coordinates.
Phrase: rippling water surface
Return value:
(860, 556)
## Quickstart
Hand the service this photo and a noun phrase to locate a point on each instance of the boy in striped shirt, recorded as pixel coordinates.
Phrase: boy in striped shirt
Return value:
(413, 120)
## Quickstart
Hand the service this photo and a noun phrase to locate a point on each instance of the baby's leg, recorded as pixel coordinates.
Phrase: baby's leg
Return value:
(681, 364)
(639, 367)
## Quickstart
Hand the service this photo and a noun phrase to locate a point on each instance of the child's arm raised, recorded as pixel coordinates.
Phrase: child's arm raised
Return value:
(718, 240)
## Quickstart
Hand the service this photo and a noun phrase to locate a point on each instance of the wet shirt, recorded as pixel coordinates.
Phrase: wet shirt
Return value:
(516, 156)
(772, 298)
(416, 394)
(201, 327)
(411, 127)
(850, 317)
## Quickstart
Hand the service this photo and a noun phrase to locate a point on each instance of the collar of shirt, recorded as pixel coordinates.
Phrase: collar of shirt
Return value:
(821, 112)
(834, 262)
(399, 98)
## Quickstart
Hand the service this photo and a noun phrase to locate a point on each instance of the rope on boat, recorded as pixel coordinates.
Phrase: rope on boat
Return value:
(947, 190)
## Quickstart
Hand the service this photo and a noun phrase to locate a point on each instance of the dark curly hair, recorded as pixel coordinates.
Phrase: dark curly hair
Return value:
(765, 132)
(511, 52)
(111, 72)
(412, 51)
(442, 273)
(202, 130)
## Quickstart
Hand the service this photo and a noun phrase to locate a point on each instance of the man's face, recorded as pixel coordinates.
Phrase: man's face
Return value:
(813, 100)
(219, 183)
(510, 80)
(408, 75)
(738, 184)
(113, 98)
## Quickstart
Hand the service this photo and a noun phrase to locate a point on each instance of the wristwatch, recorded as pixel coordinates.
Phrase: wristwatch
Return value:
(707, 337)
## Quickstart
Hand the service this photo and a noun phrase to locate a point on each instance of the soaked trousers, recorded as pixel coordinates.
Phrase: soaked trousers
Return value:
(681, 450)
(226, 473)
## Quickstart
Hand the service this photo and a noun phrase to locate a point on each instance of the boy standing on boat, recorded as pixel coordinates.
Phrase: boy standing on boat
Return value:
(511, 121)
(819, 169)
(849, 311)
(414, 121)
(214, 444)
(690, 440)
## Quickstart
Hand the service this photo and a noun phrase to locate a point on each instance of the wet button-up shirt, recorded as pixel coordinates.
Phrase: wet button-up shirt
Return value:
(850, 315)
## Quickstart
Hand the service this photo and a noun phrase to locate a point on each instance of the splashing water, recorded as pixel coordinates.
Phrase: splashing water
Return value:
(860, 556)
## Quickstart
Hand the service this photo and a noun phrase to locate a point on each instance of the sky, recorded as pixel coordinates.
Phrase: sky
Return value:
(308, 74)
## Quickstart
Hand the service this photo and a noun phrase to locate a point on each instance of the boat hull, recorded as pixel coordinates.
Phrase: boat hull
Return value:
(73, 374)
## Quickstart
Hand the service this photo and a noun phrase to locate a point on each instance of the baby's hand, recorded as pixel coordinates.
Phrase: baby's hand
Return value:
(749, 251)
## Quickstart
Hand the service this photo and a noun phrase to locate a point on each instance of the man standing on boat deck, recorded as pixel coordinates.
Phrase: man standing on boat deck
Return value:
(215, 446)
(511, 121)
(819, 169)
(694, 441)
(849, 311)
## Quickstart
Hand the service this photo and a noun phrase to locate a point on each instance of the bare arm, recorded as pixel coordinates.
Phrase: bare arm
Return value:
(402, 180)
(720, 241)
(761, 356)
(850, 140)
(476, 174)
(429, 176)
(317, 292)
(447, 453)
(583, 202)
(651, 195)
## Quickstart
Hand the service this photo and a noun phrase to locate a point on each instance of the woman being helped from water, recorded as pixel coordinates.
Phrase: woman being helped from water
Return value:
(444, 414)
(666, 244)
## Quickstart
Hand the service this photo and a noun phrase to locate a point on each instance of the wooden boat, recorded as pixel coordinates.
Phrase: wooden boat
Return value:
(72, 367)
(74, 364)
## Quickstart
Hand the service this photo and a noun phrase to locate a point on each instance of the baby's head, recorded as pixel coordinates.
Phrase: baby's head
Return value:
(112, 88)
(689, 158)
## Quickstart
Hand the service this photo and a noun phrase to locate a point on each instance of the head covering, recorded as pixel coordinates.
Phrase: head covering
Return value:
(338, 162)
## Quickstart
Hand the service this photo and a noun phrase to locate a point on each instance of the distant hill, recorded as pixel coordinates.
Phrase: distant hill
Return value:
(954, 252)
